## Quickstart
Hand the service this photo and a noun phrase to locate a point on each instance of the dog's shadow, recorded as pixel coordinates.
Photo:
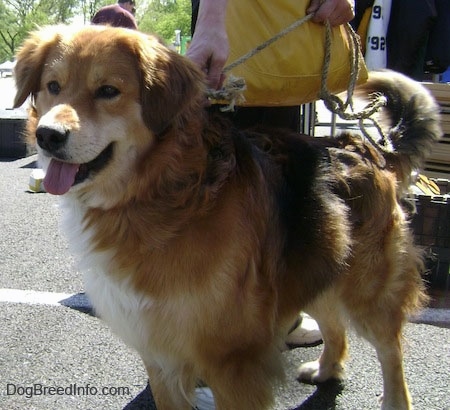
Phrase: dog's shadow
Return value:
(143, 401)
(323, 398)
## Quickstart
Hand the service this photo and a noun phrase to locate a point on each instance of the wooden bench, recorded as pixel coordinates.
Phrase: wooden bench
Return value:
(438, 164)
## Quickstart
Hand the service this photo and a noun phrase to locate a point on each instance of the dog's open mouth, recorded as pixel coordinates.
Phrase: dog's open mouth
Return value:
(61, 176)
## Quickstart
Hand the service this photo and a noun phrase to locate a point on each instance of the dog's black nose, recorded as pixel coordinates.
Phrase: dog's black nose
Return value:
(51, 138)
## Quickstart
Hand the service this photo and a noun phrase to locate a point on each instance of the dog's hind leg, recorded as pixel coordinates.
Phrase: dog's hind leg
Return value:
(389, 289)
(395, 391)
(330, 365)
(383, 331)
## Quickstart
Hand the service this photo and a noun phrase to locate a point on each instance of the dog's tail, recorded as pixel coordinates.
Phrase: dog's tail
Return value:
(414, 119)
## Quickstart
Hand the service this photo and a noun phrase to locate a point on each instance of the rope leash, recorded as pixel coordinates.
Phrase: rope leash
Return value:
(337, 106)
(234, 87)
(333, 102)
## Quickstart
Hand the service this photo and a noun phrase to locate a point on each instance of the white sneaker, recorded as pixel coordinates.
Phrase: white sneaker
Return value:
(306, 334)
(204, 399)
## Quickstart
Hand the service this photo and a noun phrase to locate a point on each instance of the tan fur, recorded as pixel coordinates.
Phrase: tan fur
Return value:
(222, 237)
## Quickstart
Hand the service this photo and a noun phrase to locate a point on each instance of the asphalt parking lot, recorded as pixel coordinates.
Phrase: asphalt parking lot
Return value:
(54, 354)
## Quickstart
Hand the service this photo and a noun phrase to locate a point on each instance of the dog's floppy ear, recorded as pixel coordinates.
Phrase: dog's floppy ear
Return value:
(30, 63)
(171, 85)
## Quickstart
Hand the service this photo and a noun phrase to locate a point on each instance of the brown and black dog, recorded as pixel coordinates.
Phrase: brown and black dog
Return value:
(201, 243)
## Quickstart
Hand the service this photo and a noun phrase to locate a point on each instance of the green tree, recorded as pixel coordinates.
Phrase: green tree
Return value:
(8, 36)
(163, 17)
(19, 17)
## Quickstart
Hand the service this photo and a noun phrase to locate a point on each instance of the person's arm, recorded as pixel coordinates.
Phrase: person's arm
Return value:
(335, 11)
(209, 47)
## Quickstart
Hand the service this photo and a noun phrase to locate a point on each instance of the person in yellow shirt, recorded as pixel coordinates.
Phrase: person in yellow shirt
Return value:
(210, 46)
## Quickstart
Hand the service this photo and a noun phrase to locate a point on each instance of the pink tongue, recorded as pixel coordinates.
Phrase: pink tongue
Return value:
(60, 176)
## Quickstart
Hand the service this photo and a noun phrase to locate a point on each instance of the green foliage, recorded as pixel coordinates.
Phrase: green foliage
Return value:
(8, 37)
(19, 17)
(164, 17)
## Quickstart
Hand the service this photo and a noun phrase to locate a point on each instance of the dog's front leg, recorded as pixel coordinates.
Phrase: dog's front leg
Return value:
(245, 381)
(171, 390)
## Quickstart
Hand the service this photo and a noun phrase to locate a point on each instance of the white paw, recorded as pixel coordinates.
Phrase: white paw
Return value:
(312, 372)
(399, 404)
(395, 407)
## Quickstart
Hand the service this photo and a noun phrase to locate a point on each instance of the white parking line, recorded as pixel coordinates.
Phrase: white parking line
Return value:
(80, 301)
(31, 297)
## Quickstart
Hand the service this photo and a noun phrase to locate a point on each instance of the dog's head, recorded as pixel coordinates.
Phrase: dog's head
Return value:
(101, 97)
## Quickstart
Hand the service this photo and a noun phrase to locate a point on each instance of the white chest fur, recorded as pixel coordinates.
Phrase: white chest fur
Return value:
(121, 307)
(114, 301)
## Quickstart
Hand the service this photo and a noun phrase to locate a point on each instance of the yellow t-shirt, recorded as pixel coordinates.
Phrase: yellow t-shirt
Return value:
(288, 72)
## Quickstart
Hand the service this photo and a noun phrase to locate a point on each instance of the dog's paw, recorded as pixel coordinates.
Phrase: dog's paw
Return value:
(313, 372)
(399, 402)
(403, 406)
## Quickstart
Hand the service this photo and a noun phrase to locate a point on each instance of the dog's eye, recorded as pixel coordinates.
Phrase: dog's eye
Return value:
(53, 87)
(107, 92)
